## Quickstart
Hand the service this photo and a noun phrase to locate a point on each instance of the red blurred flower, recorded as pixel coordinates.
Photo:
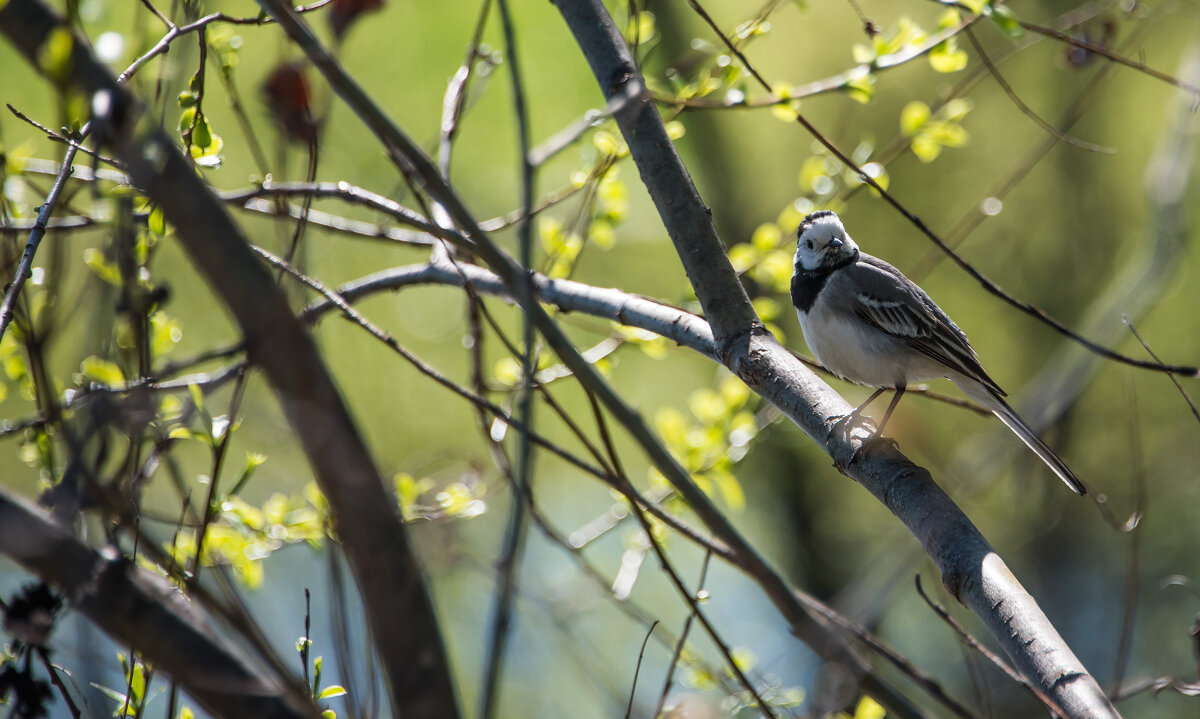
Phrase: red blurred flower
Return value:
(290, 99)
(345, 12)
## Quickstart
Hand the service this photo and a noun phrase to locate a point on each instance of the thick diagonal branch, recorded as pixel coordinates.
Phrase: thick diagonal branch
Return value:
(139, 609)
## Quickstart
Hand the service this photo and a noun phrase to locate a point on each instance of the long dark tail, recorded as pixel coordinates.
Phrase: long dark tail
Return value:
(1013, 421)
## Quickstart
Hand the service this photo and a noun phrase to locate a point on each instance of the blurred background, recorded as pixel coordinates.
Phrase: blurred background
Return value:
(1087, 220)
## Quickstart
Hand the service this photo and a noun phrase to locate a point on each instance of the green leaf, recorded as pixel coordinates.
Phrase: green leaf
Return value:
(137, 682)
(861, 89)
(945, 57)
(156, 222)
(113, 694)
(334, 690)
(868, 708)
(925, 148)
(102, 371)
(104, 269)
(209, 156)
(730, 489)
(1003, 17)
(187, 98)
(185, 119)
(254, 460)
(862, 54)
(767, 236)
(949, 134)
(742, 257)
(956, 109)
(54, 56)
(197, 395)
(202, 136)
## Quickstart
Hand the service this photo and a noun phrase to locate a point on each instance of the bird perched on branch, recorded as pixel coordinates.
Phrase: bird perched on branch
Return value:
(869, 324)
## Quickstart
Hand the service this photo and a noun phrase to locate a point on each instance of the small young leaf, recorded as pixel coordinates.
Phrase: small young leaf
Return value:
(945, 57)
(202, 136)
(102, 371)
(156, 222)
(914, 115)
(1003, 17)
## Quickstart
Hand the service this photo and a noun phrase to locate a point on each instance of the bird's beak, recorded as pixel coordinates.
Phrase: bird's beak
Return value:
(836, 243)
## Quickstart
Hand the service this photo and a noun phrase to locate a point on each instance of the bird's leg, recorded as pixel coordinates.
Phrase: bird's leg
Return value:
(878, 435)
(891, 407)
(857, 411)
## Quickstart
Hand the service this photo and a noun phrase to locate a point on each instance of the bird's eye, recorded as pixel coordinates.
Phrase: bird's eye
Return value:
(808, 244)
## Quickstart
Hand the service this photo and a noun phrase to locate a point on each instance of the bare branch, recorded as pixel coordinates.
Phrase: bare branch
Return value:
(24, 268)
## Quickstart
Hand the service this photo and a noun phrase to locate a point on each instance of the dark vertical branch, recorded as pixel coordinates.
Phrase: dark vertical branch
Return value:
(687, 220)
(518, 525)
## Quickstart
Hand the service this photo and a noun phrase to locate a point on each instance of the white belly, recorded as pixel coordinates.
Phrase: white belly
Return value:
(861, 354)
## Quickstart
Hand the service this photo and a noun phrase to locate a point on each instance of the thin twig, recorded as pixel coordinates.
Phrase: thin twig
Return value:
(637, 669)
(1129, 599)
(25, 267)
(1109, 54)
(518, 526)
(991, 656)
(57, 681)
(1025, 109)
(687, 628)
(454, 102)
(1174, 380)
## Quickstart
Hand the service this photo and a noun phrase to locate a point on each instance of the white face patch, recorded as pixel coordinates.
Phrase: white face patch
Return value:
(815, 248)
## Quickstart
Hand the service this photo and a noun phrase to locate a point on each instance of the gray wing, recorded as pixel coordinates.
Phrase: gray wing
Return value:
(894, 304)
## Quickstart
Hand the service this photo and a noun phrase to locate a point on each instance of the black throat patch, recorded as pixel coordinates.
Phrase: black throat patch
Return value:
(807, 284)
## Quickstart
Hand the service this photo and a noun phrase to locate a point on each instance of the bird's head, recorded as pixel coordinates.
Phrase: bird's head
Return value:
(822, 242)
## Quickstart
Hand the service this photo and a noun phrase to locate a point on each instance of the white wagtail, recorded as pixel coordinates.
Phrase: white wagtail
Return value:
(869, 324)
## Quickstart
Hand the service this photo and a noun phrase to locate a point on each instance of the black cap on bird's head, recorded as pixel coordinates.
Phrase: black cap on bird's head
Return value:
(813, 217)
(822, 243)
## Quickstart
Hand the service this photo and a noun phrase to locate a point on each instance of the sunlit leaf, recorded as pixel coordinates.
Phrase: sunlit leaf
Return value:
(860, 89)
(946, 58)
(914, 115)
(1003, 17)
(868, 708)
(925, 148)
(99, 264)
(54, 55)
(101, 370)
